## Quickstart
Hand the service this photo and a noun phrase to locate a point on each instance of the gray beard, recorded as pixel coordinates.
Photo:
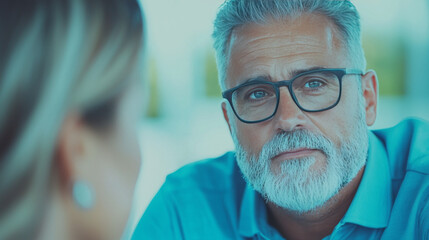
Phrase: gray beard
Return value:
(295, 186)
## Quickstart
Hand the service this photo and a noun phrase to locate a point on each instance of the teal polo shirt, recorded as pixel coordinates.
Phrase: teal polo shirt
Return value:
(210, 199)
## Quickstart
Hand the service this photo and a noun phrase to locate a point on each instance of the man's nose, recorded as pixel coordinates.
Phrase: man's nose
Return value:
(288, 116)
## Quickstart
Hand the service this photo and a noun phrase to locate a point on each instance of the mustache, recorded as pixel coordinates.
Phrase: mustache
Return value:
(292, 140)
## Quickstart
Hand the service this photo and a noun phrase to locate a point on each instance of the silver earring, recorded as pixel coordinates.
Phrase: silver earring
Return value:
(83, 195)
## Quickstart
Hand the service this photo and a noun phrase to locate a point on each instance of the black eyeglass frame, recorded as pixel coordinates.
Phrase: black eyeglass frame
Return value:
(339, 72)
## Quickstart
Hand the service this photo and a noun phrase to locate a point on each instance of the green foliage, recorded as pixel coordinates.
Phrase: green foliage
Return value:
(154, 100)
(386, 55)
(212, 88)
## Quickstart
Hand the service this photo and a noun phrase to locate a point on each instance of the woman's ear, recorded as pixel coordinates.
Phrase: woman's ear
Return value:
(76, 147)
(69, 147)
(74, 150)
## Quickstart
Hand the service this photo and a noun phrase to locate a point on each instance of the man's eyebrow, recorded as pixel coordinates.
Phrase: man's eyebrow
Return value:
(268, 78)
(295, 72)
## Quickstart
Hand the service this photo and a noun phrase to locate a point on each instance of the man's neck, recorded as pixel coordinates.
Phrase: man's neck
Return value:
(315, 224)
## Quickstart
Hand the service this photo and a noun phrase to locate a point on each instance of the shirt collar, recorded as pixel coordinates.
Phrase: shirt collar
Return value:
(250, 213)
(372, 203)
(253, 217)
(370, 207)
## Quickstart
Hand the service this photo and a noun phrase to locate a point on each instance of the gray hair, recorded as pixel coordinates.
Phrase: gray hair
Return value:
(236, 13)
(57, 57)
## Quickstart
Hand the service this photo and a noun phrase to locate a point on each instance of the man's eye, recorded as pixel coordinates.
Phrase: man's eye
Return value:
(258, 94)
(313, 84)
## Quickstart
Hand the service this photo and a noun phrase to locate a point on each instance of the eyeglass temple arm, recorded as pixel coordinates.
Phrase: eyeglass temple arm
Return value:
(354, 71)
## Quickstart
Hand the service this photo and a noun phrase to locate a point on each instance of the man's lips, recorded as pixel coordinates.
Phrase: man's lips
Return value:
(294, 154)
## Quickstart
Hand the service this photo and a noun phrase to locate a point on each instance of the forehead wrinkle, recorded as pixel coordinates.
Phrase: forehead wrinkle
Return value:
(241, 36)
(259, 48)
(267, 69)
(301, 49)
(298, 43)
(262, 60)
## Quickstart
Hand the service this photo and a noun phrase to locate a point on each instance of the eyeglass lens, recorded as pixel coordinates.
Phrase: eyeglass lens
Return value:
(313, 92)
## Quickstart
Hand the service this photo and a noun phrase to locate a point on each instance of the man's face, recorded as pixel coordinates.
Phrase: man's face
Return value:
(312, 148)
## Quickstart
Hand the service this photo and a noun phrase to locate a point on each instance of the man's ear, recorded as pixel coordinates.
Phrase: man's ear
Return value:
(370, 94)
(225, 114)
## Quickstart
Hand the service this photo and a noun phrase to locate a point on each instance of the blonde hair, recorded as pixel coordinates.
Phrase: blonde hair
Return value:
(58, 56)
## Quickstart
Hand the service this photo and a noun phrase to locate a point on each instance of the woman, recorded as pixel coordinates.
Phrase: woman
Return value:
(70, 101)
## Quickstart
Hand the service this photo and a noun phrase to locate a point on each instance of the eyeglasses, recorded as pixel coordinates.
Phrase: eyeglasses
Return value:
(312, 91)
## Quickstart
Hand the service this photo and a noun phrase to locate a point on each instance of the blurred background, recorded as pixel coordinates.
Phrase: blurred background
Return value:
(184, 121)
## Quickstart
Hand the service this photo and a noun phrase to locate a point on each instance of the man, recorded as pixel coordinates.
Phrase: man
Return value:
(298, 104)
